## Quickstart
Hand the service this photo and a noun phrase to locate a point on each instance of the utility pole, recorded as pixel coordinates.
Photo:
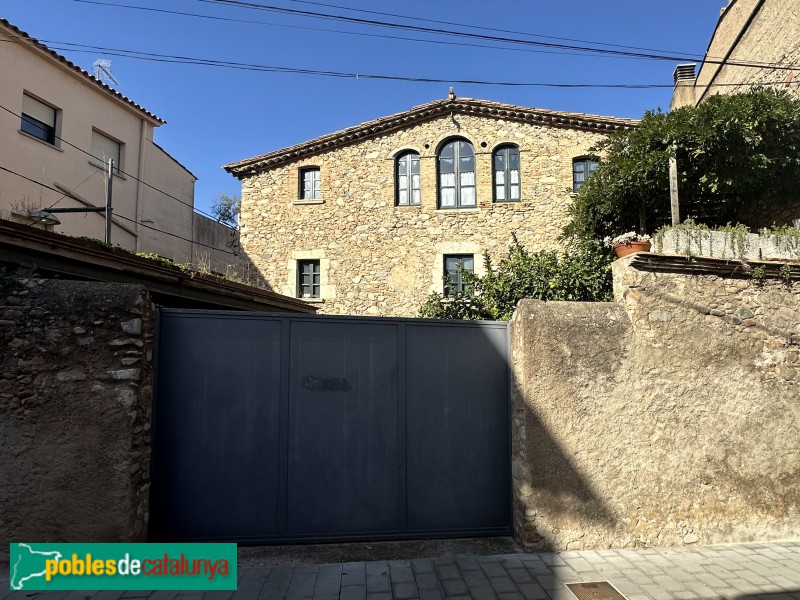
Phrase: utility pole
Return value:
(109, 190)
(673, 186)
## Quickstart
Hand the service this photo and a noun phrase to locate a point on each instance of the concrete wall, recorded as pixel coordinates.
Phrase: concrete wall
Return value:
(380, 259)
(83, 105)
(763, 31)
(670, 417)
(164, 213)
(216, 247)
(75, 397)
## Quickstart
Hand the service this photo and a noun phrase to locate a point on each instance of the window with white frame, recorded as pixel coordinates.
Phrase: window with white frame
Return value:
(38, 119)
(103, 149)
(407, 178)
(457, 175)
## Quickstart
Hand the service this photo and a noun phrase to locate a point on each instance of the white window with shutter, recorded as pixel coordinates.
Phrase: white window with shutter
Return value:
(104, 148)
(38, 119)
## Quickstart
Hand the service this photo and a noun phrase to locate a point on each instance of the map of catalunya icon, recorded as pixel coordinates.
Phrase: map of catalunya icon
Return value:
(29, 565)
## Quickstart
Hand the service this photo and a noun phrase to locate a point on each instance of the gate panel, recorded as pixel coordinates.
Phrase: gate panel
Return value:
(216, 429)
(458, 429)
(275, 428)
(343, 429)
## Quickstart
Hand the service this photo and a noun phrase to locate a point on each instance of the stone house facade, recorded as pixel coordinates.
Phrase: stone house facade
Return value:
(367, 220)
(755, 43)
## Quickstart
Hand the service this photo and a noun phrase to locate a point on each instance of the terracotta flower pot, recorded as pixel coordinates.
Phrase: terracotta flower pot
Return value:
(631, 247)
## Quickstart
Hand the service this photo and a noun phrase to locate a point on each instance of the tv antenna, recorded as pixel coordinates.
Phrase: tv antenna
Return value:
(102, 71)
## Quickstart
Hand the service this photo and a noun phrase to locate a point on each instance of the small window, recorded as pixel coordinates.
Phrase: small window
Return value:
(38, 119)
(456, 284)
(407, 178)
(581, 169)
(310, 184)
(104, 148)
(506, 174)
(308, 278)
(457, 175)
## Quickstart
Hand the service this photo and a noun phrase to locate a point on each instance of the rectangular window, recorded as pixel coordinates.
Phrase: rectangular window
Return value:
(104, 148)
(38, 119)
(308, 278)
(581, 169)
(310, 184)
(454, 264)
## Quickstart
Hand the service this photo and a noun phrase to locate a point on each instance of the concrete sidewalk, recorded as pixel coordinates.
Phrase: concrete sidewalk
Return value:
(741, 571)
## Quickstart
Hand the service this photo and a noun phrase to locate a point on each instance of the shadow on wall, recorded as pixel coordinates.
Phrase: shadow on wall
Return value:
(555, 504)
(216, 249)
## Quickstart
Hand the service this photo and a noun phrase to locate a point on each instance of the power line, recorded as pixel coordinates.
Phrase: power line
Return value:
(485, 37)
(119, 216)
(354, 33)
(178, 59)
(152, 187)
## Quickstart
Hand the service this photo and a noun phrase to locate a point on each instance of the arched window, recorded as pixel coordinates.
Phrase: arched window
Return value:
(457, 175)
(407, 179)
(506, 174)
(582, 167)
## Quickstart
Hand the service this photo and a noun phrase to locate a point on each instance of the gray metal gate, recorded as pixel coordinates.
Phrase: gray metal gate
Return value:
(275, 428)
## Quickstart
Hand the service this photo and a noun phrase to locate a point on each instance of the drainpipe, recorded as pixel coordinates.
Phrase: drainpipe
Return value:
(139, 185)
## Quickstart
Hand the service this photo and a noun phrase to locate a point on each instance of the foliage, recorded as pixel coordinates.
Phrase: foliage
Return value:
(581, 273)
(166, 262)
(735, 154)
(226, 209)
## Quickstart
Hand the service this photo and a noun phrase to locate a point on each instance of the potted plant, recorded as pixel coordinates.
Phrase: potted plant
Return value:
(628, 243)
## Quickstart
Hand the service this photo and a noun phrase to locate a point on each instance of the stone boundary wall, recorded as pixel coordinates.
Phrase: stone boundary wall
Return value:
(669, 417)
(75, 398)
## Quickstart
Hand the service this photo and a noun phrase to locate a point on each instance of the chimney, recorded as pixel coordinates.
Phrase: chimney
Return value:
(685, 73)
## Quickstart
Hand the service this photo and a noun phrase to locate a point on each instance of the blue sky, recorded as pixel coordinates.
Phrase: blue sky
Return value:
(219, 115)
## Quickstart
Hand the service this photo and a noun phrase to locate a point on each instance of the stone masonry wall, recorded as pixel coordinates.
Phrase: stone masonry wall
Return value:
(75, 397)
(669, 417)
(379, 259)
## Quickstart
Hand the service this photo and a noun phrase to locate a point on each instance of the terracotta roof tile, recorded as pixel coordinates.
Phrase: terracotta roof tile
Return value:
(424, 112)
(36, 43)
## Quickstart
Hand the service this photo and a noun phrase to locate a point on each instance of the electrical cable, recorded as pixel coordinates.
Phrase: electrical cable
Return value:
(343, 32)
(152, 187)
(119, 216)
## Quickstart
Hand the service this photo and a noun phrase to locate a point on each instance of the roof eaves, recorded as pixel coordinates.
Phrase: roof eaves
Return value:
(388, 124)
(88, 76)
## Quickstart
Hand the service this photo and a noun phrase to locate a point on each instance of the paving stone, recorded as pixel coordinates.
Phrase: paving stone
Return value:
(427, 581)
(520, 575)
(354, 574)
(493, 569)
(532, 591)
(431, 594)
(655, 592)
(378, 595)
(511, 596)
(483, 592)
(405, 591)
(449, 572)
(401, 572)
(423, 566)
(353, 592)
(455, 587)
(379, 583)
(327, 584)
(503, 584)
(468, 564)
